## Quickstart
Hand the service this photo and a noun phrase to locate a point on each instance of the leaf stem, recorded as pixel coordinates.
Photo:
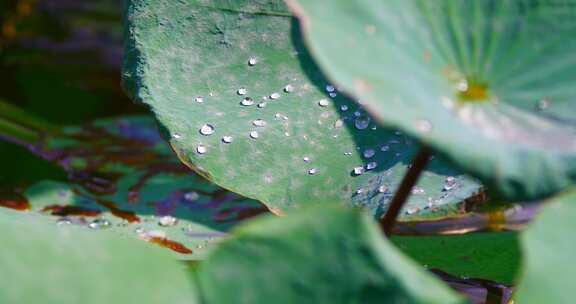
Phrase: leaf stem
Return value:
(419, 162)
(21, 127)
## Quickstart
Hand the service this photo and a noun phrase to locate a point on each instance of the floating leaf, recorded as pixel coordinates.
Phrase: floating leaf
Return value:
(123, 177)
(45, 263)
(548, 250)
(490, 84)
(245, 106)
(320, 255)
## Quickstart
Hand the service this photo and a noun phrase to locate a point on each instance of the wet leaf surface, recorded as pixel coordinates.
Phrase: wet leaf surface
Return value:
(245, 106)
(489, 84)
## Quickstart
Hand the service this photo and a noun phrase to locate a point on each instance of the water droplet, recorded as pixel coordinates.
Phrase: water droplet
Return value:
(254, 134)
(306, 158)
(261, 105)
(259, 123)
(227, 139)
(344, 108)
(289, 88)
(191, 196)
(543, 104)
(382, 189)
(347, 153)
(323, 102)
(360, 191)
(385, 148)
(274, 95)
(201, 149)
(99, 224)
(368, 153)
(333, 95)
(357, 114)
(330, 88)
(199, 99)
(247, 101)
(312, 171)
(411, 211)
(423, 126)
(449, 183)
(338, 123)
(167, 221)
(176, 136)
(462, 86)
(362, 123)
(207, 129)
(242, 91)
(371, 165)
(358, 170)
(63, 222)
(252, 61)
(418, 190)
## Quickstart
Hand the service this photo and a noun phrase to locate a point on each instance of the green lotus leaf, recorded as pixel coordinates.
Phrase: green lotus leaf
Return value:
(244, 105)
(489, 84)
(45, 263)
(318, 255)
(548, 247)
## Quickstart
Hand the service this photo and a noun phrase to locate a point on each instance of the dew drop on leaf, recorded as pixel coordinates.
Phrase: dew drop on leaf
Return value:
(227, 139)
(289, 88)
(252, 61)
(368, 153)
(274, 95)
(371, 165)
(199, 99)
(254, 134)
(312, 171)
(167, 221)
(323, 102)
(362, 122)
(259, 123)
(358, 170)
(247, 101)
(99, 224)
(207, 129)
(344, 108)
(201, 149)
(242, 91)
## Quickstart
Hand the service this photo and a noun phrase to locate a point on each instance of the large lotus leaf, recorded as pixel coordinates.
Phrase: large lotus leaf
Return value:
(45, 263)
(548, 247)
(245, 106)
(318, 255)
(123, 177)
(488, 83)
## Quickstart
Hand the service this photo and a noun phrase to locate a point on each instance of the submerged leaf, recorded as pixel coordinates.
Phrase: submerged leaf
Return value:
(123, 177)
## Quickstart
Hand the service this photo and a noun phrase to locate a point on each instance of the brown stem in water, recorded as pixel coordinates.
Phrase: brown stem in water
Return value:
(403, 192)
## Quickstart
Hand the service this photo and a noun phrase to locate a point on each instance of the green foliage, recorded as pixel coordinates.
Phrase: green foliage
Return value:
(296, 140)
(548, 249)
(45, 263)
(489, 84)
(319, 255)
(493, 256)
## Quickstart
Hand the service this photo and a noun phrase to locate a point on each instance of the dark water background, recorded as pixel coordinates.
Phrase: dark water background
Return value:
(61, 60)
